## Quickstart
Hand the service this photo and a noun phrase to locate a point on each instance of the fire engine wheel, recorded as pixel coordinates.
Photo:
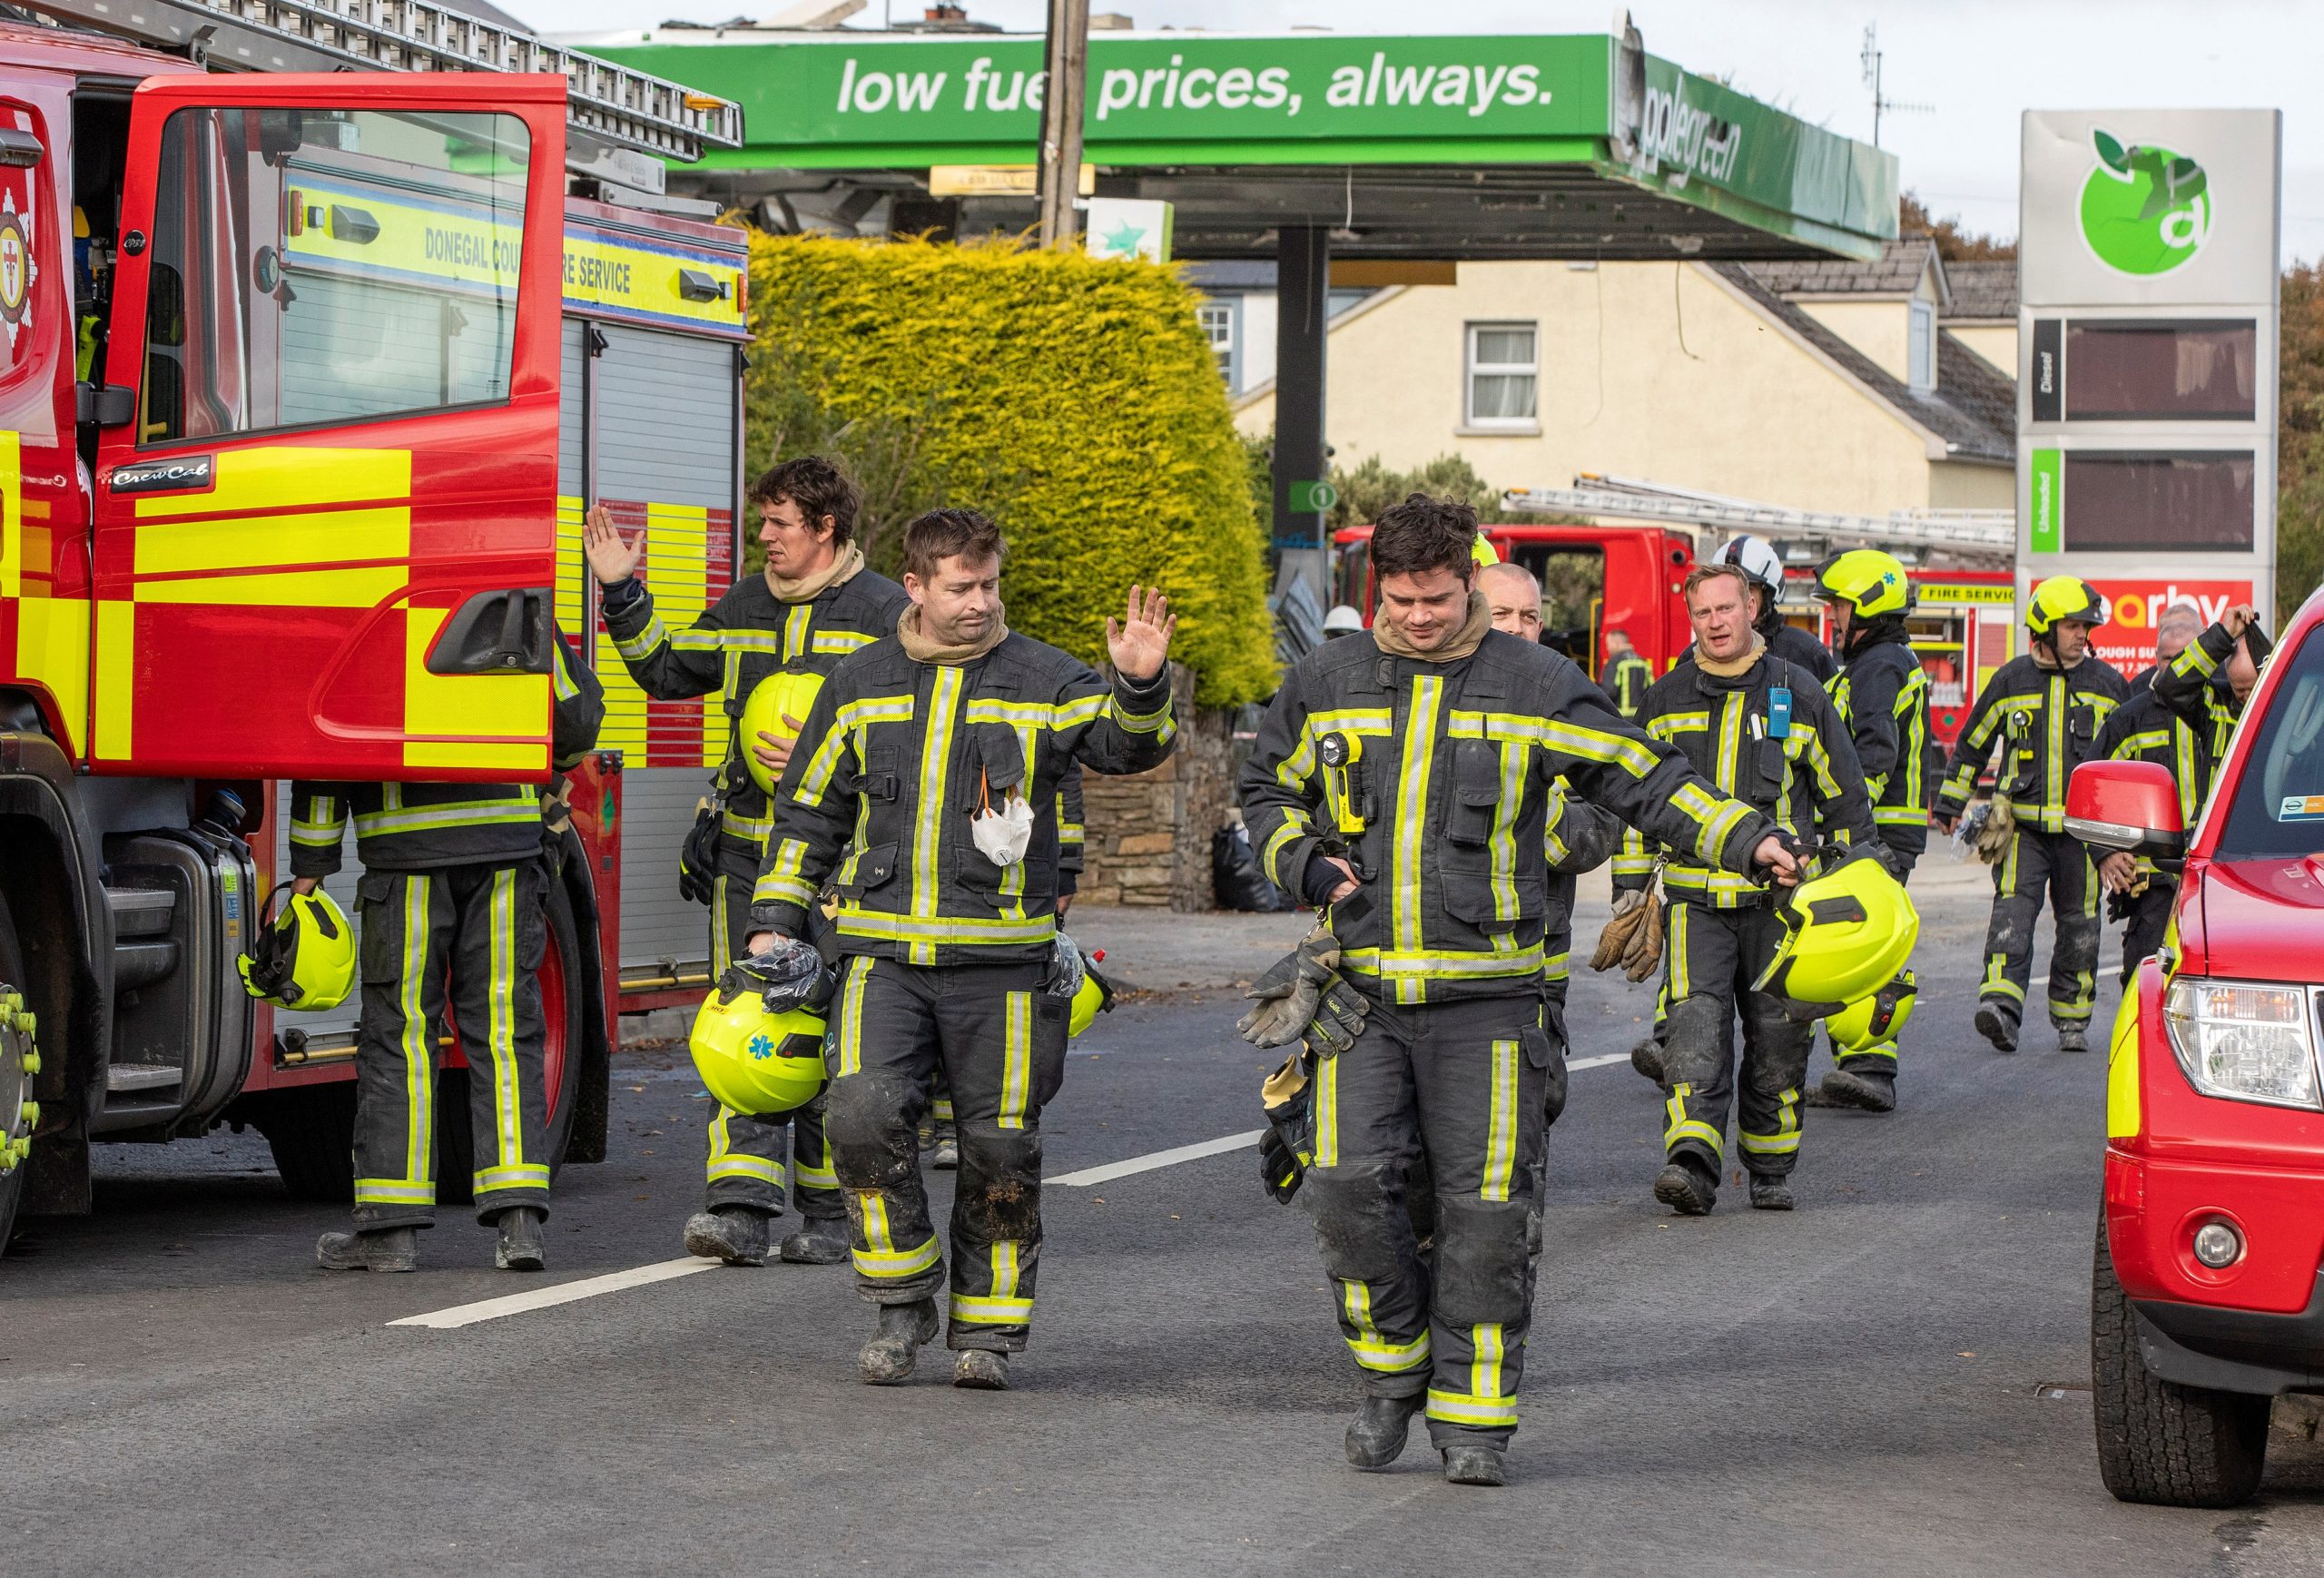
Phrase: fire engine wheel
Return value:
(2159, 1442)
(563, 1017)
(19, 1061)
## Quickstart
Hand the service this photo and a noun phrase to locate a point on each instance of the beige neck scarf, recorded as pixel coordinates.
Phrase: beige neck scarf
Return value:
(1464, 641)
(922, 648)
(1732, 668)
(807, 588)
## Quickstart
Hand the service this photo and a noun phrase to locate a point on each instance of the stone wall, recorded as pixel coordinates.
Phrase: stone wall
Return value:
(1149, 835)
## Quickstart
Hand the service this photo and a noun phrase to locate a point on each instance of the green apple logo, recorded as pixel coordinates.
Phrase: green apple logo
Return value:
(2145, 211)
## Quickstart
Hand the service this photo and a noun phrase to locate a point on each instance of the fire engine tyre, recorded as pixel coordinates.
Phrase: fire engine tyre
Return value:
(2158, 1442)
(564, 1025)
(11, 975)
(311, 1132)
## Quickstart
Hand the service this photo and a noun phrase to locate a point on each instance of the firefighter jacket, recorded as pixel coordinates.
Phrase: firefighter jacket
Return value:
(1798, 648)
(1434, 780)
(2144, 730)
(745, 635)
(1625, 677)
(1881, 694)
(898, 755)
(2046, 721)
(2190, 685)
(1771, 738)
(427, 826)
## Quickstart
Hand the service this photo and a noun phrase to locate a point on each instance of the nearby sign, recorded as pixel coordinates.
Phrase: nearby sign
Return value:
(1128, 227)
(2134, 608)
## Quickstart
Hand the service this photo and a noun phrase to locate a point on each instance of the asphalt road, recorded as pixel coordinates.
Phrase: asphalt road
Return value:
(1892, 1379)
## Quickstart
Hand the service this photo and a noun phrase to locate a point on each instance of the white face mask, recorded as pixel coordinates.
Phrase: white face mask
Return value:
(1004, 835)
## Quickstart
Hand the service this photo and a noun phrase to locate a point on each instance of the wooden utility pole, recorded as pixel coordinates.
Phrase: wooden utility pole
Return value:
(1067, 55)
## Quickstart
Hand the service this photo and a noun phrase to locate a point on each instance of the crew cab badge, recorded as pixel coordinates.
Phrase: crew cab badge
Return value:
(178, 474)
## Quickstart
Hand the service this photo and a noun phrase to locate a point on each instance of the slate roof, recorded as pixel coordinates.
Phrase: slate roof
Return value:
(1896, 273)
(1972, 408)
(1983, 289)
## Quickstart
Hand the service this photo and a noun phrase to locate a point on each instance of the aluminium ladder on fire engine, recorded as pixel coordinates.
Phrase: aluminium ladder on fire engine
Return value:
(612, 104)
(1969, 536)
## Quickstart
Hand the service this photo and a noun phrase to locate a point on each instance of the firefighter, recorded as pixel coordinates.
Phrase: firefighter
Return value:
(1881, 694)
(1513, 599)
(1400, 780)
(2144, 730)
(1762, 730)
(1763, 568)
(2044, 711)
(2214, 674)
(455, 881)
(815, 602)
(1625, 675)
(936, 754)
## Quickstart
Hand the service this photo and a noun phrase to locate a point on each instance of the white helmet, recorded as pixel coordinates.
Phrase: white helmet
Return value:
(1342, 620)
(1758, 559)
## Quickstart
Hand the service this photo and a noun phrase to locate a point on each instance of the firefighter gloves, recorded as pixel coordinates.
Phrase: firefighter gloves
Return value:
(1301, 995)
(1632, 940)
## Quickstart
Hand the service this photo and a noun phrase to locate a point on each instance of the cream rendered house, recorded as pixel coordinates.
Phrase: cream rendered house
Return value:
(1837, 386)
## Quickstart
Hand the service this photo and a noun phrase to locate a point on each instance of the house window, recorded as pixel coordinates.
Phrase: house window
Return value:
(1502, 371)
(1222, 324)
(1921, 362)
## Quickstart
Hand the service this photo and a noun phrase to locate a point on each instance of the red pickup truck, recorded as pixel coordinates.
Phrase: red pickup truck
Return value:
(2208, 1296)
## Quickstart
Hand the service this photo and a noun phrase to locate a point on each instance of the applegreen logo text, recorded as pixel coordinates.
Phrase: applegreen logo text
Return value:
(2145, 211)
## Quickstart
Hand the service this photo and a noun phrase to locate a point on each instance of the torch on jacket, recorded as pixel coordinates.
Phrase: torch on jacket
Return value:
(1434, 780)
(897, 756)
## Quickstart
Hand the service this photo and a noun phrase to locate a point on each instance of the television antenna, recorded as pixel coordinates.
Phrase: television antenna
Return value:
(1881, 104)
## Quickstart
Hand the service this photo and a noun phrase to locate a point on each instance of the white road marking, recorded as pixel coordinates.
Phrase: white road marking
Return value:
(1597, 1062)
(1137, 1164)
(561, 1293)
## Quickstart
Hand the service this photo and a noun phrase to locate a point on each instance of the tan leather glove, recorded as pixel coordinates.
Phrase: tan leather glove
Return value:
(1644, 957)
(1631, 908)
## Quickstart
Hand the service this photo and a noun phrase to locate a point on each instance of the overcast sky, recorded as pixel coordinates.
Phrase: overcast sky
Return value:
(1977, 62)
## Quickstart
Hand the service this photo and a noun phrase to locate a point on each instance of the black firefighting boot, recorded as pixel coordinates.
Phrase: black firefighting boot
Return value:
(1860, 1089)
(980, 1370)
(1769, 1193)
(734, 1234)
(1997, 1022)
(820, 1241)
(1687, 1186)
(1377, 1437)
(1647, 1059)
(1475, 1463)
(519, 1248)
(380, 1249)
(888, 1358)
(2073, 1036)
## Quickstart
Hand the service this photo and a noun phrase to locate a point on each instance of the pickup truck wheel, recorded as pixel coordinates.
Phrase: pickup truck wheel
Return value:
(2159, 1442)
(19, 1061)
(562, 1022)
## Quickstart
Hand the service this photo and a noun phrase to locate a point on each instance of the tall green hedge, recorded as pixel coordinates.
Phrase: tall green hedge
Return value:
(1074, 400)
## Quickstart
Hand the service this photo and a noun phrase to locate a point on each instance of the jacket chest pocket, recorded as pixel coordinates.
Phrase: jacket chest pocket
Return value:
(881, 784)
(1771, 766)
(2082, 727)
(1475, 800)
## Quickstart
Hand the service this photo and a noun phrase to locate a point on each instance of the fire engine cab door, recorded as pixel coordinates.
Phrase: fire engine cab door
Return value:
(325, 504)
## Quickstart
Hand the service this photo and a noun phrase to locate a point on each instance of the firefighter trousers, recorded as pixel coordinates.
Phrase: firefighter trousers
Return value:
(1876, 1057)
(2150, 919)
(2059, 863)
(747, 1160)
(997, 1035)
(1461, 1084)
(1710, 957)
(470, 937)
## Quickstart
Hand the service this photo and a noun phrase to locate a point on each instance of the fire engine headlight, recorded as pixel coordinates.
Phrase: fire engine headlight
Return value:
(2245, 1041)
(2218, 1245)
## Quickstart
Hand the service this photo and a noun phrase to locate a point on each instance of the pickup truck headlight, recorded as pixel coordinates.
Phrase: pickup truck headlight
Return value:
(2246, 1041)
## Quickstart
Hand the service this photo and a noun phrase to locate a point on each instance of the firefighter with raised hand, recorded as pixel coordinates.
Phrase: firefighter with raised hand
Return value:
(1763, 568)
(2142, 729)
(1401, 781)
(1881, 694)
(924, 791)
(816, 603)
(453, 901)
(2214, 674)
(2044, 711)
(1625, 675)
(1762, 730)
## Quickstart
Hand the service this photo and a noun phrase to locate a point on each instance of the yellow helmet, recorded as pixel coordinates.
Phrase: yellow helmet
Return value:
(1093, 997)
(303, 958)
(2064, 597)
(1877, 1019)
(752, 1060)
(1483, 552)
(1847, 929)
(1870, 582)
(789, 692)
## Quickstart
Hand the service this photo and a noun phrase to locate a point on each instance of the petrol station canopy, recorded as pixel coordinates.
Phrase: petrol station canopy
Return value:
(1437, 148)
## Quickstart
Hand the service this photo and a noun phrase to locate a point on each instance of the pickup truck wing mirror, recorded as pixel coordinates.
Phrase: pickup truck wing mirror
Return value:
(2132, 806)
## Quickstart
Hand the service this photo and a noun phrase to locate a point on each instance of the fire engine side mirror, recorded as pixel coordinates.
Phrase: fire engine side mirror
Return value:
(2126, 805)
(108, 406)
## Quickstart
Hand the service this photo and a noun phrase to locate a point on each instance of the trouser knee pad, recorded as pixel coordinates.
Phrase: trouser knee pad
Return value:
(868, 1130)
(999, 1193)
(1480, 1257)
